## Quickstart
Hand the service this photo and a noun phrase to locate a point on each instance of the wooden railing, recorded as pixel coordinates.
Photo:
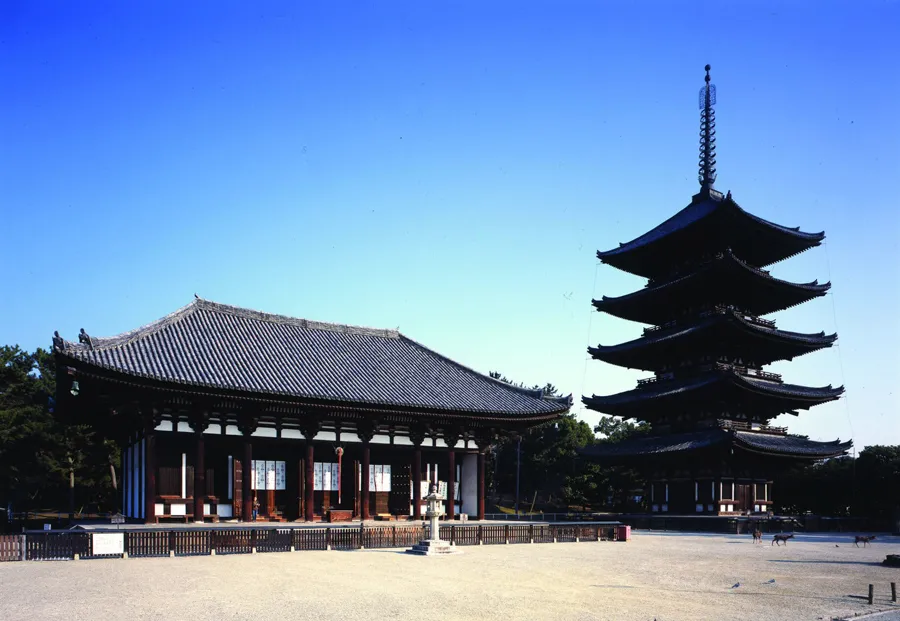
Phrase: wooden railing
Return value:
(69, 545)
(746, 426)
(11, 547)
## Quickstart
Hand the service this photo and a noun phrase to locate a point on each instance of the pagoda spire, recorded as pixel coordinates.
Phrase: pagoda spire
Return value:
(707, 135)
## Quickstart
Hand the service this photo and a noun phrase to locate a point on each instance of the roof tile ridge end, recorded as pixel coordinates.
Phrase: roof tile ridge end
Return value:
(124, 338)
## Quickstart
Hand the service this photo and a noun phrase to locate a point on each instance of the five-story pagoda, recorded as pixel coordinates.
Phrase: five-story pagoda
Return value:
(709, 403)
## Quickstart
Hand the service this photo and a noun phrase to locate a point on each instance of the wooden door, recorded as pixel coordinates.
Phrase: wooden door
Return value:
(744, 498)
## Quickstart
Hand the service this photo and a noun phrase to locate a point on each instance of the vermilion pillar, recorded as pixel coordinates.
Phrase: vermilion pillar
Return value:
(481, 484)
(199, 476)
(246, 478)
(364, 501)
(309, 482)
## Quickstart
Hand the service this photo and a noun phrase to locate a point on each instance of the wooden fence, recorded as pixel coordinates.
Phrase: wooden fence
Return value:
(11, 547)
(80, 544)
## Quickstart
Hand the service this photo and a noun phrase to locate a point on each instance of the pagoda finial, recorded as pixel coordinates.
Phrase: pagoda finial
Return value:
(707, 134)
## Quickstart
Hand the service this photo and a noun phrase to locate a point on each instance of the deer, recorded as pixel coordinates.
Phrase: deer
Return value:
(779, 538)
(865, 539)
(757, 536)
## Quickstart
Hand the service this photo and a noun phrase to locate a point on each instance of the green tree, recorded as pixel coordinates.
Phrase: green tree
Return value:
(42, 454)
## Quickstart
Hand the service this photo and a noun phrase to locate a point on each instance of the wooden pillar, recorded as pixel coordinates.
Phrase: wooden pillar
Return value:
(481, 483)
(451, 437)
(451, 484)
(199, 475)
(309, 482)
(417, 481)
(247, 475)
(364, 501)
(150, 447)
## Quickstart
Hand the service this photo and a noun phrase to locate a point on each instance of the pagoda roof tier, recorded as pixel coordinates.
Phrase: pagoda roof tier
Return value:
(231, 350)
(708, 225)
(681, 443)
(721, 333)
(724, 280)
(727, 389)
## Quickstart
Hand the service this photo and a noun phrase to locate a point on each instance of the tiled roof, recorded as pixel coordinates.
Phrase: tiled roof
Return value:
(652, 445)
(694, 440)
(797, 343)
(697, 211)
(214, 345)
(757, 285)
(652, 394)
(793, 445)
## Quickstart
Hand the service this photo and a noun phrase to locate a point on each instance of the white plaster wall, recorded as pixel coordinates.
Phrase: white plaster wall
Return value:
(381, 439)
(469, 485)
(291, 434)
(213, 428)
(165, 425)
(232, 430)
(184, 427)
(265, 432)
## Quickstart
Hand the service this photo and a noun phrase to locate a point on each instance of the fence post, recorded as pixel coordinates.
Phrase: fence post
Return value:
(480, 535)
(171, 544)
(506, 531)
(212, 542)
(531, 533)
(597, 538)
(362, 535)
(22, 547)
(253, 541)
(327, 538)
(452, 535)
(871, 594)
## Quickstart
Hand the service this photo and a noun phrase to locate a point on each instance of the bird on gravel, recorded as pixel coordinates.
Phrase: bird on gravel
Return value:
(736, 585)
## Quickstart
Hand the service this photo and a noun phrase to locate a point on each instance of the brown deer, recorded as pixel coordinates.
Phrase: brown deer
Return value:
(865, 539)
(757, 536)
(779, 538)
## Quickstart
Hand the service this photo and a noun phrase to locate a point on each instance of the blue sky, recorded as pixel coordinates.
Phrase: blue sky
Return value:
(446, 169)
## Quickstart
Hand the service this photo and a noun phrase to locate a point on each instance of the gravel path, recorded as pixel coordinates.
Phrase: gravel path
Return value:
(655, 576)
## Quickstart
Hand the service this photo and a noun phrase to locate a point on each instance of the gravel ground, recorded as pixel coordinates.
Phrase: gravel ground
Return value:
(654, 576)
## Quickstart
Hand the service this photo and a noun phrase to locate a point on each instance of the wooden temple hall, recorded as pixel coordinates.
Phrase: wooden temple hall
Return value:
(219, 408)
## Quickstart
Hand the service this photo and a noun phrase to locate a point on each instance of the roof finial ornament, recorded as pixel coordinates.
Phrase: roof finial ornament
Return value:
(84, 337)
(707, 134)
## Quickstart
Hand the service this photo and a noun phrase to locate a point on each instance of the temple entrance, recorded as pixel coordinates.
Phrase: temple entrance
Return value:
(743, 497)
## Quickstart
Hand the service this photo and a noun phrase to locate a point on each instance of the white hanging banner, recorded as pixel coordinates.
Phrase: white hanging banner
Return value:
(280, 475)
(270, 475)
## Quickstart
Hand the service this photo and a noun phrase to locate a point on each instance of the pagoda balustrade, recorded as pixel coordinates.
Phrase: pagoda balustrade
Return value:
(746, 426)
(718, 366)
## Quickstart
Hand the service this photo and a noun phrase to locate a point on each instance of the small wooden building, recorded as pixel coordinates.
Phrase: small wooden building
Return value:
(220, 407)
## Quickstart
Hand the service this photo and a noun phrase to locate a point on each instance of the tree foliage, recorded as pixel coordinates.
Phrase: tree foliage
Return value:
(39, 451)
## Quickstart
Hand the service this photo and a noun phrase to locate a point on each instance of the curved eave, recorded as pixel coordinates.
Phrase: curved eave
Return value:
(644, 353)
(641, 305)
(635, 255)
(624, 403)
(645, 446)
(275, 399)
(789, 446)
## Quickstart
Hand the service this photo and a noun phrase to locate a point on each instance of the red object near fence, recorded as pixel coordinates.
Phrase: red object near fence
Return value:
(624, 533)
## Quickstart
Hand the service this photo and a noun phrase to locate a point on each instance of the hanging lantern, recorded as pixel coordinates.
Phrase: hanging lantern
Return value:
(340, 452)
